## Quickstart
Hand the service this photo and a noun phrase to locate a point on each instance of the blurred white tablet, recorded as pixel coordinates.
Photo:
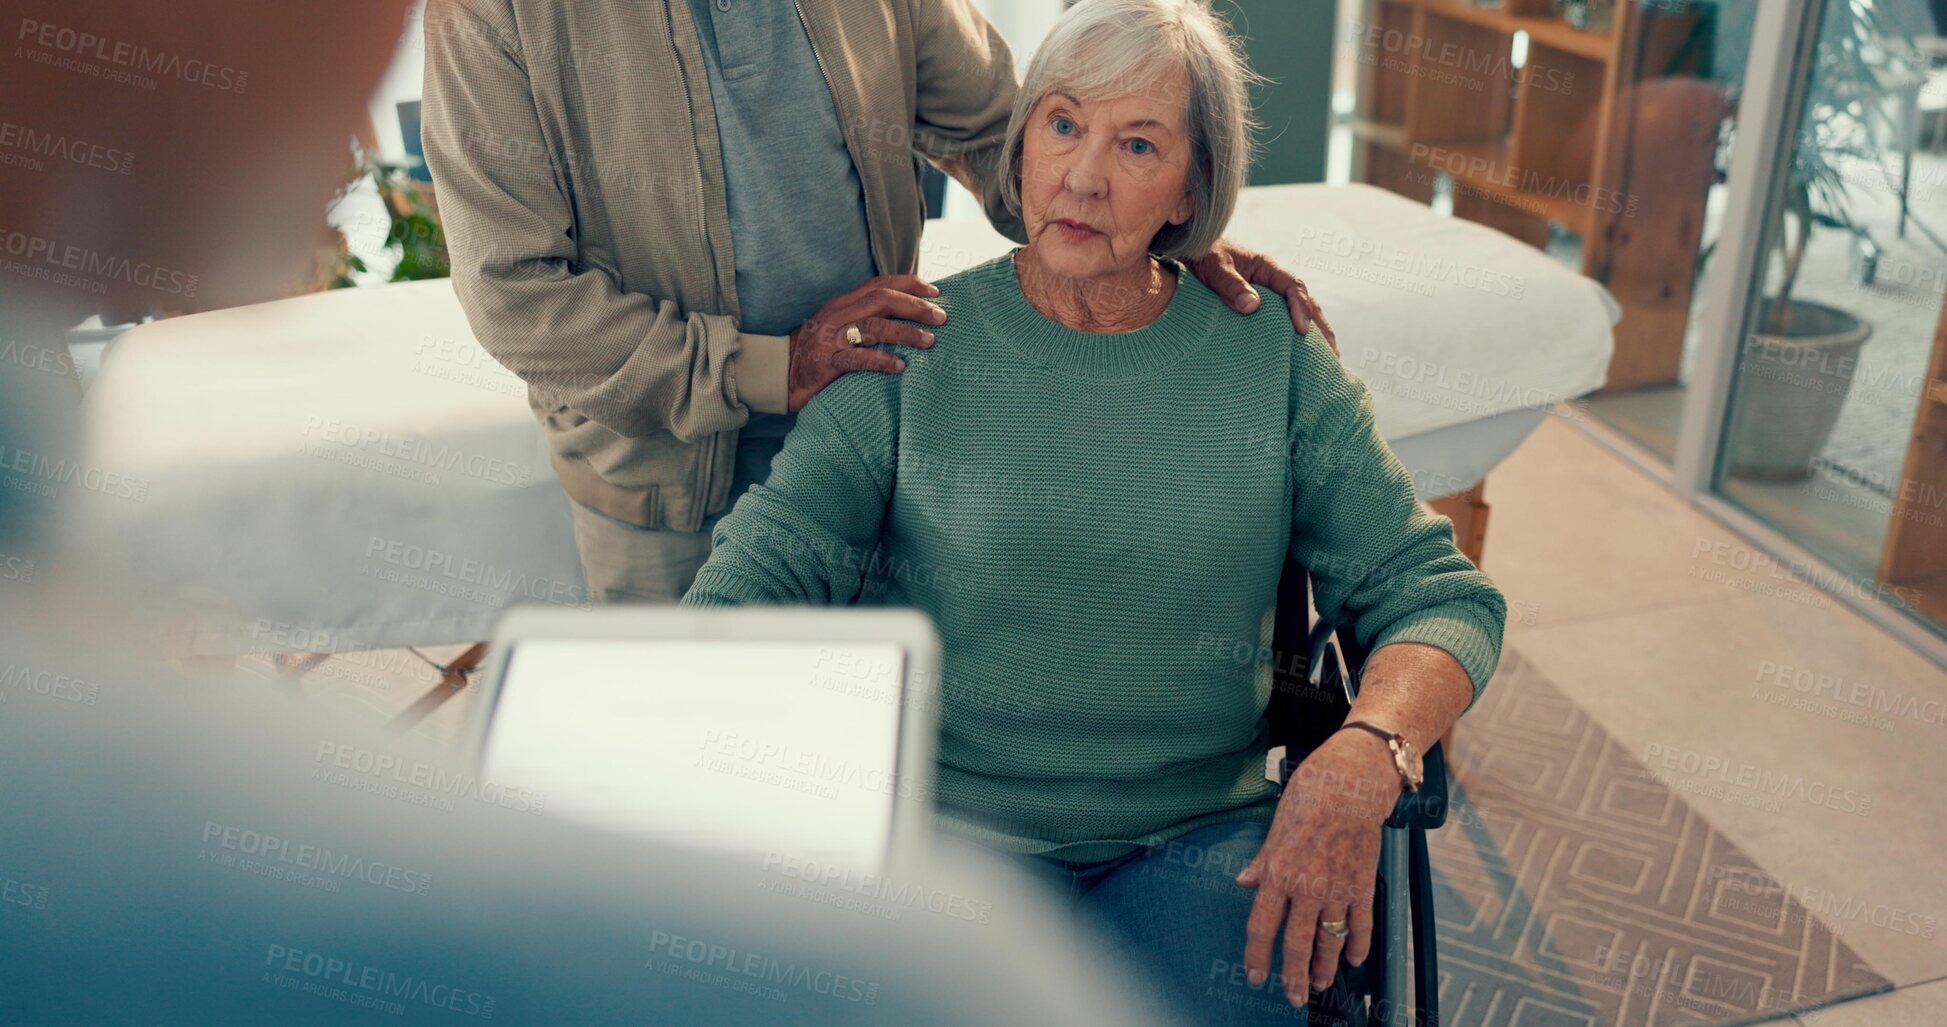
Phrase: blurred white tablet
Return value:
(766, 733)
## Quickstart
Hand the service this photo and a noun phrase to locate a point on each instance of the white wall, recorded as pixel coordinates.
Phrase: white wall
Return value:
(402, 82)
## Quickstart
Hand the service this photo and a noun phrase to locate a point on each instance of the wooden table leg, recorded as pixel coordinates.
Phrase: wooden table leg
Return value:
(453, 677)
(292, 666)
(1468, 510)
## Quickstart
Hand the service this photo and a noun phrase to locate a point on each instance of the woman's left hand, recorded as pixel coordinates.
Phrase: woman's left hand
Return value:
(1230, 270)
(1320, 860)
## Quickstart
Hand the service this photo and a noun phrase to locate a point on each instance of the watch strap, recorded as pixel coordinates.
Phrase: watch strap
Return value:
(1393, 745)
(1384, 735)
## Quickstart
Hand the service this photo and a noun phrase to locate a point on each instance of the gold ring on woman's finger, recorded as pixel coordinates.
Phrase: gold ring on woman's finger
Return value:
(852, 335)
(1335, 928)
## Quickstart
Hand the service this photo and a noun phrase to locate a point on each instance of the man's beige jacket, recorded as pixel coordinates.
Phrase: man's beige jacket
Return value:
(574, 150)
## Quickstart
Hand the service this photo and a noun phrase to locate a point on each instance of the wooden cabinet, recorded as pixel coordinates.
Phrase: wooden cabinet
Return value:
(1913, 562)
(1608, 134)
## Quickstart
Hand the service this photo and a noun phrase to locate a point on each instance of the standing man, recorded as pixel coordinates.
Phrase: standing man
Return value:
(678, 220)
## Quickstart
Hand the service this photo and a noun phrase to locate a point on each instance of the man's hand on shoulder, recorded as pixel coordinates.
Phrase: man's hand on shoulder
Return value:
(835, 340)
(1230, 270)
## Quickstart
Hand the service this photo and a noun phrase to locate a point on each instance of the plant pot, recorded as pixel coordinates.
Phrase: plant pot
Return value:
(1790, 389)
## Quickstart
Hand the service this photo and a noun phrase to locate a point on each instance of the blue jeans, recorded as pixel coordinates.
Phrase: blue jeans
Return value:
(1174, 915)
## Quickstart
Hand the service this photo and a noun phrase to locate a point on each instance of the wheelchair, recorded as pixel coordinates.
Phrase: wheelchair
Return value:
(1315, 673)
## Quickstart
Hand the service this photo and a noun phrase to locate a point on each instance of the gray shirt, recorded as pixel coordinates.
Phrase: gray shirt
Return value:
(797, 212)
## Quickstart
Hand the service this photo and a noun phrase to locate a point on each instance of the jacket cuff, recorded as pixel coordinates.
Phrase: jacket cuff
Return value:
(1460, 630)
(761, 372)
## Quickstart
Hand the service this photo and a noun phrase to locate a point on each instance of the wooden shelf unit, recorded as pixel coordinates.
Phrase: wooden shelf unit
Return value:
(1531, 18)
(1579, 136)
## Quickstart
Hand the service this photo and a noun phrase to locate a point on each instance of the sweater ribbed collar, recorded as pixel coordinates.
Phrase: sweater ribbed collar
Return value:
(1009, 315)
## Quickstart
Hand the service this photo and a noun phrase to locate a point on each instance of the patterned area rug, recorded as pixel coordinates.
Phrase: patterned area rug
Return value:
(1573, 889)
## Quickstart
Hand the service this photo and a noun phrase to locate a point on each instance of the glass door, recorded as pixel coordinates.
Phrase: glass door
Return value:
(1834, 433)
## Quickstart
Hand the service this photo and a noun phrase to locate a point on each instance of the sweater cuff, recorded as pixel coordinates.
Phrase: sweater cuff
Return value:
(712, 588)
(1460, 630)
(761, 372)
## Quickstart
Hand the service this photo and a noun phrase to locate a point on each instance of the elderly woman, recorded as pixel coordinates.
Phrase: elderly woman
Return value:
(1090, 480)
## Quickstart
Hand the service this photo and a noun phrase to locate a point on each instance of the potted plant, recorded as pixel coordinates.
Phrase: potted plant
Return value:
(413, 230)
(1798, 362)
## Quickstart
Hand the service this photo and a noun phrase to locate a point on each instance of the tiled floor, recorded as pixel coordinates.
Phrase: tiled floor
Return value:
(1657, 620)
(1652, 617)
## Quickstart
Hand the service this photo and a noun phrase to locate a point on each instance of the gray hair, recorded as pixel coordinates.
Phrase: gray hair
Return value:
(1102, 49)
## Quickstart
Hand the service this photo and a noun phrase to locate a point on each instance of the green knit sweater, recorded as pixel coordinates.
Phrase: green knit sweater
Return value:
(1096, 524)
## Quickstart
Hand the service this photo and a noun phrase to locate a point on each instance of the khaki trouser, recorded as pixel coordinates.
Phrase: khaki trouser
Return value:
(623, 563)
(626, 564)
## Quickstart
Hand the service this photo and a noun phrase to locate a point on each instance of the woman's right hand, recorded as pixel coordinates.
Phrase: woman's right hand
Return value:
(821, 350)
(1319, 863)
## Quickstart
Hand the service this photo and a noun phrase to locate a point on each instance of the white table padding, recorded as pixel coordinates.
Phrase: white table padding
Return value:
(342, 470)
(350, 470)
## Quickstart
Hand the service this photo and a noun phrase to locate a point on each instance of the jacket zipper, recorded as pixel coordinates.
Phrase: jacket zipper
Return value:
(696, 155)
(845, 131)
(701, 487)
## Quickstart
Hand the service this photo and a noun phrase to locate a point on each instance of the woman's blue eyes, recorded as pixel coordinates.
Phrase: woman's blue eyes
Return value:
(1139, 147)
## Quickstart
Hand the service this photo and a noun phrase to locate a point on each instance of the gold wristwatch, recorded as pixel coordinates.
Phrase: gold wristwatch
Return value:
(1406, 758)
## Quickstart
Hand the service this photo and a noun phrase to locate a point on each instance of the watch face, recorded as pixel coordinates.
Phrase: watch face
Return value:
(1410, 764)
